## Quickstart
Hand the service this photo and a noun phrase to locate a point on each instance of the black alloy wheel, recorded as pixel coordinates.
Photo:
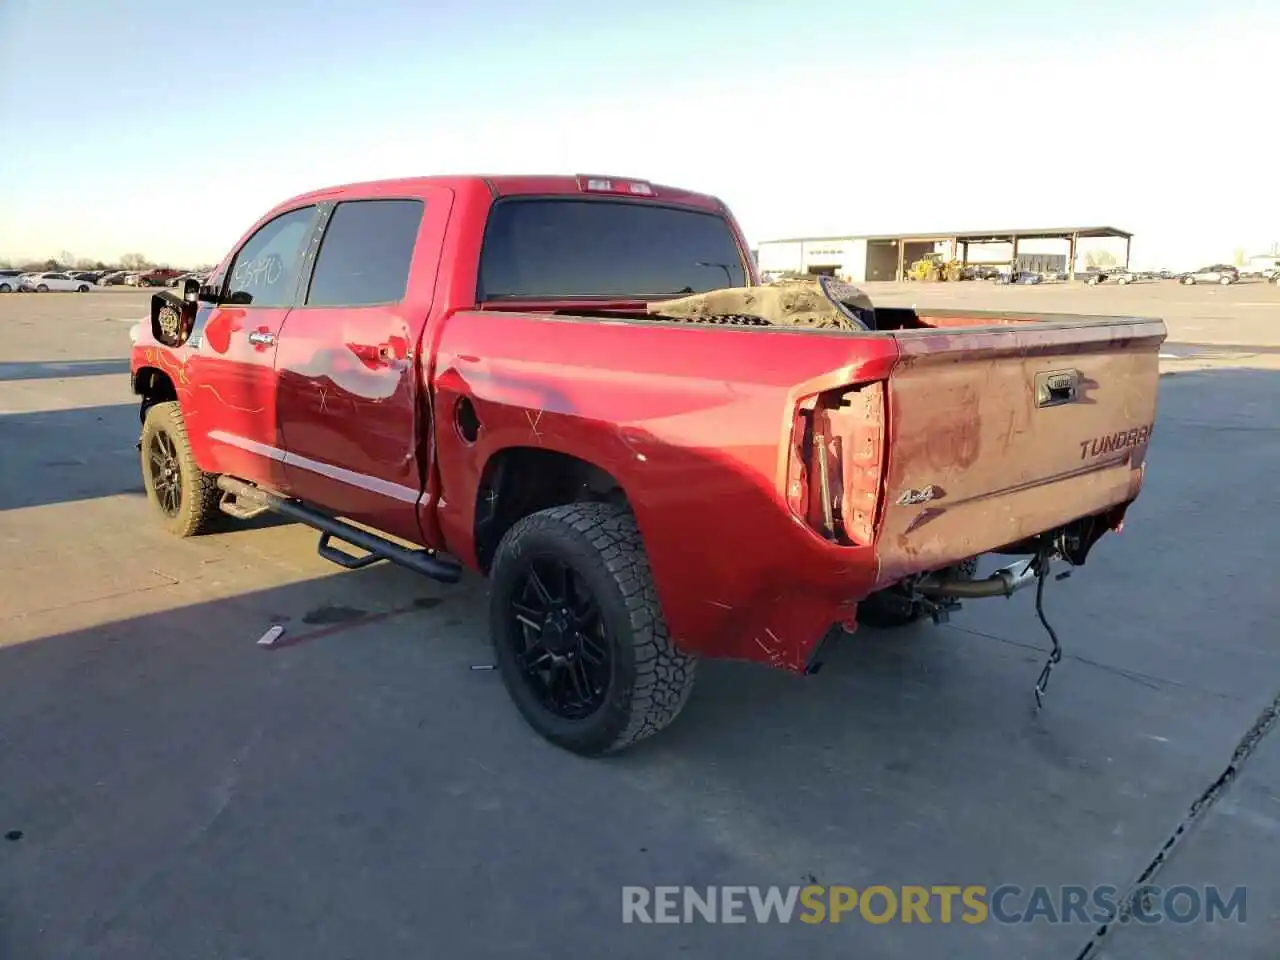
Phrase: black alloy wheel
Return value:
(578, 633)
(166, 473)
(563, 650)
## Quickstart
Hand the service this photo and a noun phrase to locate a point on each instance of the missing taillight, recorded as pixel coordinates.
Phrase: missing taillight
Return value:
(835, 476)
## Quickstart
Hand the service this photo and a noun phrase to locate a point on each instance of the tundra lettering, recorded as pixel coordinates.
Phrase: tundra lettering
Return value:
(579, 389)
(1110, 443)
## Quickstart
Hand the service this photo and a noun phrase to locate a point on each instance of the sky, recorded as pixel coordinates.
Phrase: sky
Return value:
(166, 129)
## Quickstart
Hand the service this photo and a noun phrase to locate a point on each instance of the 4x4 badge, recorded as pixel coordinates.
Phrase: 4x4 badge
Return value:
(910, 497)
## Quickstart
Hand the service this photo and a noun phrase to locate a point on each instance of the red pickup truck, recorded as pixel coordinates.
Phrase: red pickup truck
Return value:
(159, 277)
(578, 388)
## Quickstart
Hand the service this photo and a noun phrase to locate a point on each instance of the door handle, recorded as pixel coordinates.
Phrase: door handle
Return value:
(1057, 387)
(262, 338)
(378, 355)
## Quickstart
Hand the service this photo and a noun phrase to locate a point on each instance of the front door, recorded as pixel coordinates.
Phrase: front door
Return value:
(346, 365)
(233, 364)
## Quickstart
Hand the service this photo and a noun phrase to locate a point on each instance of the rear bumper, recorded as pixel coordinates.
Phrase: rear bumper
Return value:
(777, 611)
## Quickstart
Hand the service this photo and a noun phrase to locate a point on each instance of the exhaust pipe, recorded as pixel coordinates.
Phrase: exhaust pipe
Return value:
(1005, 582)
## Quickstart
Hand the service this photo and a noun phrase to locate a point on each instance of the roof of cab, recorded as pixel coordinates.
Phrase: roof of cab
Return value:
(508, 185)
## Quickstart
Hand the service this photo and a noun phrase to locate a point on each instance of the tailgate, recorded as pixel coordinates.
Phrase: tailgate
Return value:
(1000, 433)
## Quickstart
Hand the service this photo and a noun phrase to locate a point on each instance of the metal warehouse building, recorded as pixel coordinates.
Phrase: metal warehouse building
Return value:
(889, 257)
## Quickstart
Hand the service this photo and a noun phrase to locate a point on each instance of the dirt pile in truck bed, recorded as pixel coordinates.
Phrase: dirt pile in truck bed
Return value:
(820, 303)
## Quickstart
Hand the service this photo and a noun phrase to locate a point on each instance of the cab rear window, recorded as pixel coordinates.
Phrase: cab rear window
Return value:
(570, 247)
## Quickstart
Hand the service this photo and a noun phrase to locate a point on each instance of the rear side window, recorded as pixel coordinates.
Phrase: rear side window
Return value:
(603, 248)
(265, 270)
(365, 256)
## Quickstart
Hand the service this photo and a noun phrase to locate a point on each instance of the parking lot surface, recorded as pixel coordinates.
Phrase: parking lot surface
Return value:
(170, 789)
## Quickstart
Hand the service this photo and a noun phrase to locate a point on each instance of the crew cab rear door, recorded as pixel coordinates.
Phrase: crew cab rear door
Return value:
(349, 388)
(998, 433)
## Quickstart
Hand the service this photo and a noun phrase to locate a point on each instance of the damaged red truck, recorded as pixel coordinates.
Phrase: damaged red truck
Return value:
(578, 388)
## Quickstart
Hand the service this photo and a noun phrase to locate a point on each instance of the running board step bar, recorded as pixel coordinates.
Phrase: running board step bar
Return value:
(248, 498)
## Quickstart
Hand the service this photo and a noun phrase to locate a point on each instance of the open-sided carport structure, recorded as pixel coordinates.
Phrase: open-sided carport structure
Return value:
(1072, 235)
(888, 256)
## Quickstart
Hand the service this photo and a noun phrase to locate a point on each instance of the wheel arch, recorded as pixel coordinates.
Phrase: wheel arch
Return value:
(154, 386)
(518, 481)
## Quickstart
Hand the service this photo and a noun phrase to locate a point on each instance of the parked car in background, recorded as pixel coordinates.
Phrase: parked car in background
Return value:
(159, 277)
(54, 282)
(112, 278)
(183, 278)
(1218, 273)
(1265, 266)
(93, 276)
(10, 280)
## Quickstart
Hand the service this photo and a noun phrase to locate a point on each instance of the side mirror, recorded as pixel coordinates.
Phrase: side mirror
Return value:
(172, 319)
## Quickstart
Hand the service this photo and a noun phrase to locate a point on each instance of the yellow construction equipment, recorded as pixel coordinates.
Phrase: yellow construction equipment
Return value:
(931, 268)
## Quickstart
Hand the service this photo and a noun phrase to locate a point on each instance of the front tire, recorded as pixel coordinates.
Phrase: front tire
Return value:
(1224, 281)
(578, 633)
(83, 288)
(184, 495)
(5, 288)
(42, 288)
(1189, 281)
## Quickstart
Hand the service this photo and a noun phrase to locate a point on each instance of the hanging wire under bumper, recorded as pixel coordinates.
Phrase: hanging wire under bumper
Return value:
(1005, 582)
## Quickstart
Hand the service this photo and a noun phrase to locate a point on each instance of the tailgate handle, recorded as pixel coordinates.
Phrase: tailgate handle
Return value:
(1055, 387)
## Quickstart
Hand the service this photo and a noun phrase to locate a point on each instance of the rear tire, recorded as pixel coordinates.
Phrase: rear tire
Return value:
(1224, 280)
(578, 633)
(1189, 281)
(184, 495)
(83, 288)
(42, 288)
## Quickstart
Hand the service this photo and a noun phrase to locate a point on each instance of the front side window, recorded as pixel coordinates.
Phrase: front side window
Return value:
(569, 247)
(366, 253)
(265, 271)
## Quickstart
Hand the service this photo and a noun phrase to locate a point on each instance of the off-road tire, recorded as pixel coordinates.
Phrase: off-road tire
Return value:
(651, 679)
(198, 506)
(879, 610)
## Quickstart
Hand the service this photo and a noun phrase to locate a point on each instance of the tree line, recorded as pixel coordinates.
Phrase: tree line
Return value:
(68, 261)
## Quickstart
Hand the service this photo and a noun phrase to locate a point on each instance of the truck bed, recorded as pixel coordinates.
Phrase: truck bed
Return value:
(946, 436)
